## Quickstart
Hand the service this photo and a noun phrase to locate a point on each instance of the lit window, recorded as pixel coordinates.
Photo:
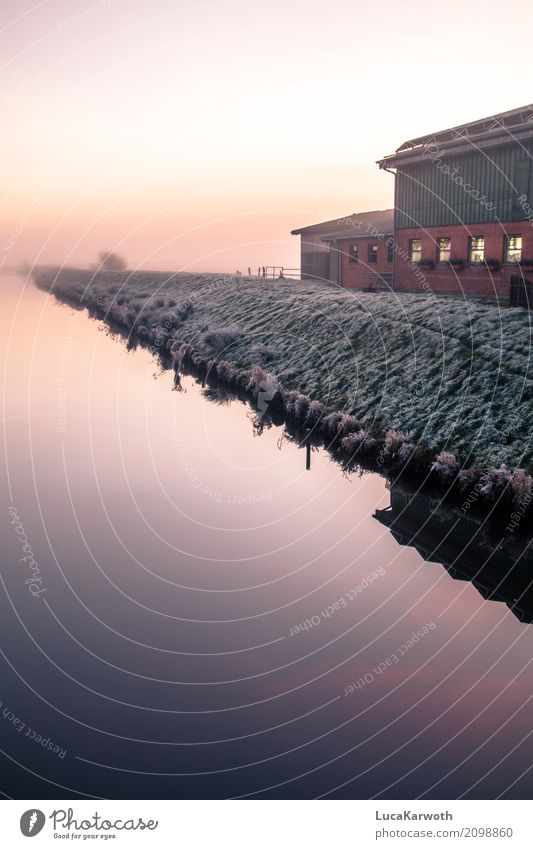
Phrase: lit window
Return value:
(477, 249)
(513, 248)
(444, 249)
(415, 250)
(353, 253)
(390, 251)
(372, 253)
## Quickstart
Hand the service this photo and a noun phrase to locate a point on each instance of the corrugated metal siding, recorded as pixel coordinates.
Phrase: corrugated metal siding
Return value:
(428, 197)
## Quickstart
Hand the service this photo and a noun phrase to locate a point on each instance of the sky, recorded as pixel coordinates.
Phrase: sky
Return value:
(197, 135)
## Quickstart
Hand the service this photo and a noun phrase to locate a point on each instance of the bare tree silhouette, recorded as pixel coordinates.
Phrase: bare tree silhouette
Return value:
(110, 261)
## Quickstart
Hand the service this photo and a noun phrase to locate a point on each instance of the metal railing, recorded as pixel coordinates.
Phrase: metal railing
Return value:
(279, 272)
(275, 272)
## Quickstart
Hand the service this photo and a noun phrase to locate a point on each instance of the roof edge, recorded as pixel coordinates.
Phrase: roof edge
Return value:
(345, 220)
(499, 124)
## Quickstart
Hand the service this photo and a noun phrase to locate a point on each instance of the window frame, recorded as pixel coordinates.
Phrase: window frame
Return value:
(411, 243)
(471, 240)
(506, 248)
(444, 239)
(353, 254)
(372, 254)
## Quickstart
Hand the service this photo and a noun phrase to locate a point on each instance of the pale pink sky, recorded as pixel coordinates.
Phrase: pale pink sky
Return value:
(197, 134)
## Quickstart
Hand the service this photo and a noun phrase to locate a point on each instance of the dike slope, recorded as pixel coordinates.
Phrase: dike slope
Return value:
(445, 375)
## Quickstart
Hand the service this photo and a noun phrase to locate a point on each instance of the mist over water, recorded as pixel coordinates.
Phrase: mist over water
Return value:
(186, 612)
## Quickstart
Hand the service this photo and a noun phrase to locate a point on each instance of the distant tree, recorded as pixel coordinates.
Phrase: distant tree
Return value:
(110, 261)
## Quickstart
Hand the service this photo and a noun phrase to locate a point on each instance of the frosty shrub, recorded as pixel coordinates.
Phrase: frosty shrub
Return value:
(445, 466)
(176, 345)
(257, 377)
(226, 373)
(219, 340)
(348, 424)
(263, 386)
(131, 317)
(331, 425)
(314, 414)
(261, 354)
(173, 320)
(521, 486)
(495, 482)
(359, 443)
(243, 379)
(184, 310)
(301, 407)
(393, 442)
(180, 352)
(405, 452)
(289, 401)
(468, 480)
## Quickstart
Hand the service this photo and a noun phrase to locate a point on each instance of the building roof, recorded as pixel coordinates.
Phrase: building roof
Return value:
(356, 225)
(368, 231)
(503, 128)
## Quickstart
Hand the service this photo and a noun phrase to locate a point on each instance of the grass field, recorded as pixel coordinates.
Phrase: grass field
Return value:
(452, 375)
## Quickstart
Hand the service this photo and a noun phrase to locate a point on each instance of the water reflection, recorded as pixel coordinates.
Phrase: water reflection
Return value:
(498, 564)
(183, 545)
(499, 570)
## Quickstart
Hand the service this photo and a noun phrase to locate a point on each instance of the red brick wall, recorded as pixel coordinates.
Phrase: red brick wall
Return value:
(474, 279)
(357, 275)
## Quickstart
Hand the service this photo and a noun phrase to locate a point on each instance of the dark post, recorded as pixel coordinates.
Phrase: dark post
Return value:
(308, 456)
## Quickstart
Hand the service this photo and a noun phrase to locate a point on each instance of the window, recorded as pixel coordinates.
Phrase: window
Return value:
(477, 249)
(415, 250)
(513, 248)
(353, 253)
(390, 251)
(444, 249)
(372, 253)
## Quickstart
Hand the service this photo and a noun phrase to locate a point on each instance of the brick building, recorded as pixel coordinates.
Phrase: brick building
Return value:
(355, 250)
(314, 252)
(462, 220)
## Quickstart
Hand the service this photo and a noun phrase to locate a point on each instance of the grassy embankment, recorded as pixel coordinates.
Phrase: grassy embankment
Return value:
(415, 376)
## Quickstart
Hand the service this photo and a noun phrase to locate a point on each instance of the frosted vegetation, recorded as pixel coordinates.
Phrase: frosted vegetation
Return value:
(430, 380)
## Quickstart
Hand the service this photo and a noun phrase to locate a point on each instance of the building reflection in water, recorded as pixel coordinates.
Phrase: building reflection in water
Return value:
(501, 570)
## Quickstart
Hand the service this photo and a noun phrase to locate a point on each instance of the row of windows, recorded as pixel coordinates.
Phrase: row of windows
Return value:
(512, 250)
(372, 254)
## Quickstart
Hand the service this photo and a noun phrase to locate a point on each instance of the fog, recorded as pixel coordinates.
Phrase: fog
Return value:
(199, 135)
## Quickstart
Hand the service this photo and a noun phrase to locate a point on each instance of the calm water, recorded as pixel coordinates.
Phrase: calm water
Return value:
(206, 618)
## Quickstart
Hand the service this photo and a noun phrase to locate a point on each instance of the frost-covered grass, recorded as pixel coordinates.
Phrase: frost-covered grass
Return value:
(450, 376)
